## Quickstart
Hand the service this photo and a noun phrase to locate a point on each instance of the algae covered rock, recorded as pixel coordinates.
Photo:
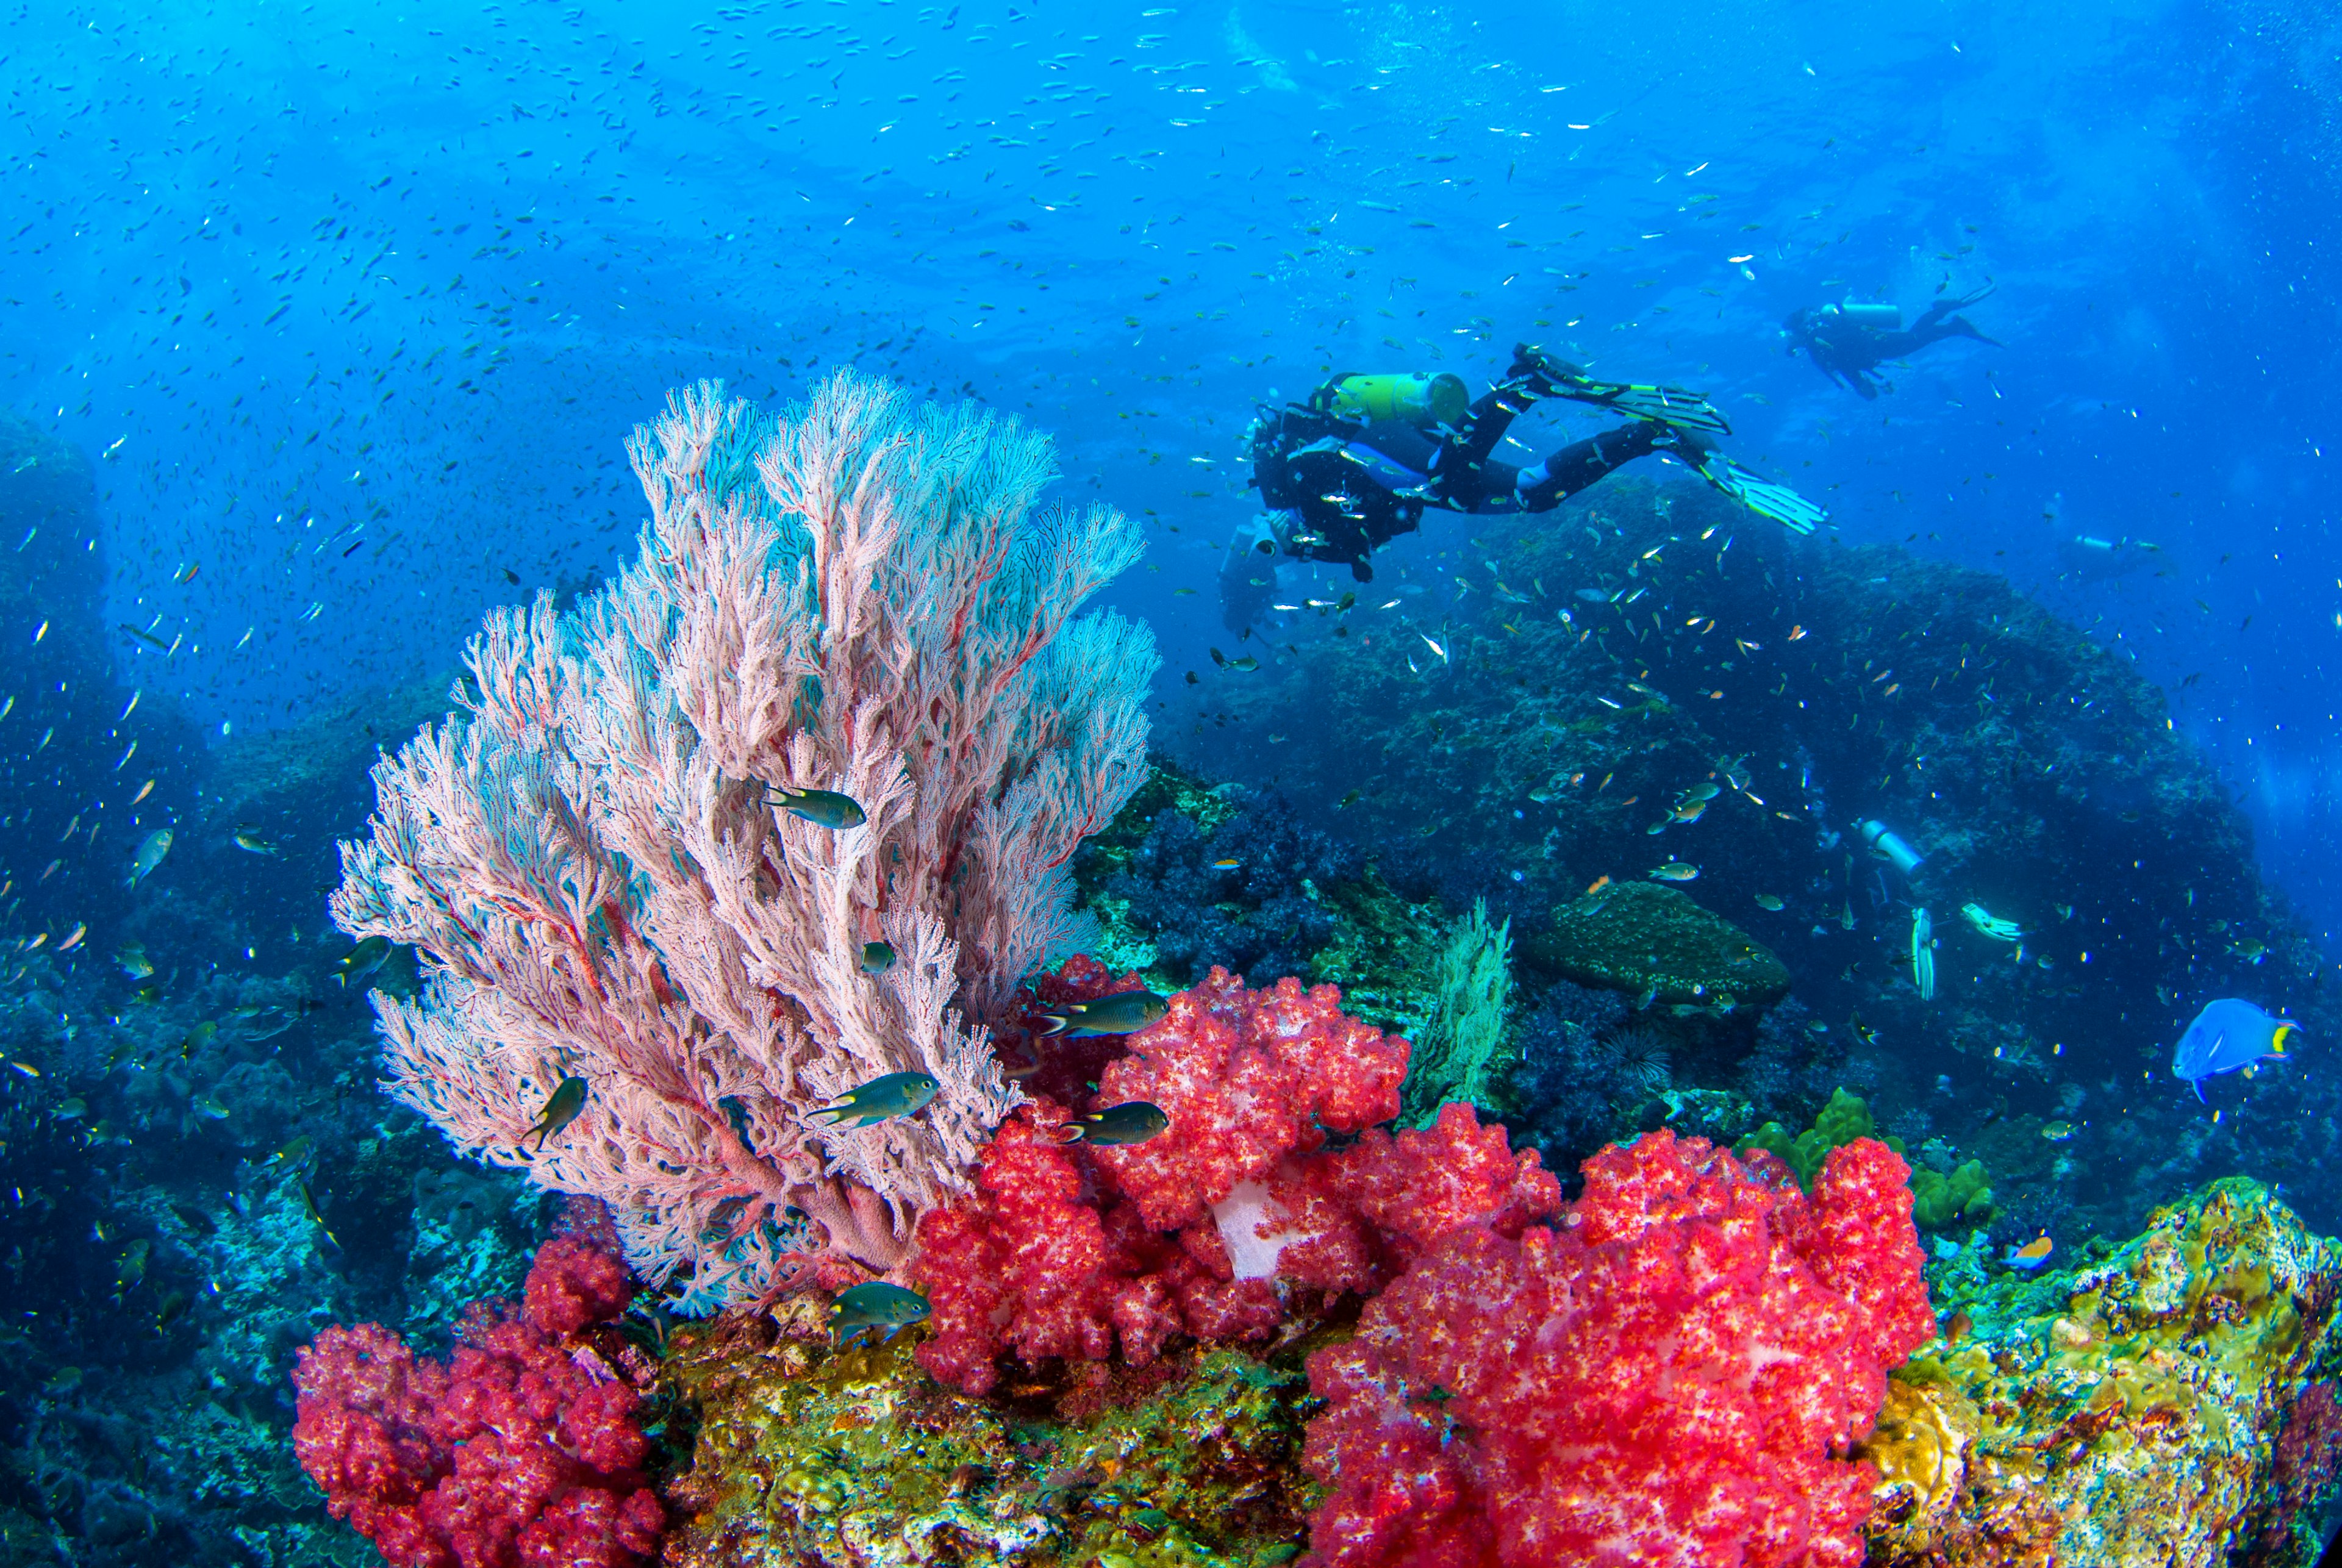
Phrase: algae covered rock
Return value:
(2137, 1422)
(1639, 937)
(822, 1458)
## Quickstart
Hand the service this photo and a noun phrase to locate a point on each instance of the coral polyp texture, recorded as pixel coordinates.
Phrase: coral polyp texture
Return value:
(1670, 1376)
(609, 870)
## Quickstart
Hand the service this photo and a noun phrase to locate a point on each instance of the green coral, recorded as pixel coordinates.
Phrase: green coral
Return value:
(1378, 954)
(824, 1458)
(1456, 1057)
(1846, 1118)
(1940, 1200)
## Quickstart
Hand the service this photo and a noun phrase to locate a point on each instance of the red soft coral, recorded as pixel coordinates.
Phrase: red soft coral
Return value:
(1665, 1379)
(1070, 1251)
(522, 1452)
(1246, 1077)
(1042, 1260)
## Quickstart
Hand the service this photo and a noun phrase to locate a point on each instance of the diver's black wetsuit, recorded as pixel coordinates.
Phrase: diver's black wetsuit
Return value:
(1847, 350)
(1339, 487)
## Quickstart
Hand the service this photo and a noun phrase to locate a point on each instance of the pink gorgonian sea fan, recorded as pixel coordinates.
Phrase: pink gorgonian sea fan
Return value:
(603, 878)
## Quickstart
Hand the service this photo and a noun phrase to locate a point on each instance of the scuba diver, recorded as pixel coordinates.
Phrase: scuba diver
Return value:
(2089, 558)
(1367, 455)
(1848, 342)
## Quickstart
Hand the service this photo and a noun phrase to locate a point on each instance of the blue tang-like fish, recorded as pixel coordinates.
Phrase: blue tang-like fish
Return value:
(2227, 1035)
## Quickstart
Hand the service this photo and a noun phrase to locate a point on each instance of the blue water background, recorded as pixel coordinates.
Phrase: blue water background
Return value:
(358, 300)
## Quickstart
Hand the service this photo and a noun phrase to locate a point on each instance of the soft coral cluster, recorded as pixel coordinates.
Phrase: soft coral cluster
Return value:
(1665, 1375)
(1664, 1379)
(1067, 1252)
(522, 1452)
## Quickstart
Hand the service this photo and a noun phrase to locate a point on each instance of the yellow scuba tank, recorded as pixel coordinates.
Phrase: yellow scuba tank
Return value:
(1415, 399)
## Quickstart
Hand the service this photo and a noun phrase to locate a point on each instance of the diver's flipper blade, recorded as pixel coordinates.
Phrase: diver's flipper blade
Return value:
(1675, 406)
(1762, 496)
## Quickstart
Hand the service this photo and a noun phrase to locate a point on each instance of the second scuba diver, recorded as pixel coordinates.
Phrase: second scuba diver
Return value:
(1848, 343)
(1367, 455)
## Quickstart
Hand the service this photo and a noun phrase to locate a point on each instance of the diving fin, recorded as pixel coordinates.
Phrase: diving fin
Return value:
(1762, 496)
(1662, 404)
(1539, 374)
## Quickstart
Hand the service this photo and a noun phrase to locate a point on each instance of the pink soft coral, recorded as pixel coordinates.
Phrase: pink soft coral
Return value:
(1667, 1379)
(522, 1452)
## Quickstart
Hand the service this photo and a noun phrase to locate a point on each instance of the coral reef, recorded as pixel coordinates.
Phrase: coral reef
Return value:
(2148, 1407)
(840, 696)
(1940, 1198)
(1839, 1122)
(1065, 1252)
(1458, 1054)
(1959, 1196)
(1291, 901)
(1621, 690)
(525, 1449)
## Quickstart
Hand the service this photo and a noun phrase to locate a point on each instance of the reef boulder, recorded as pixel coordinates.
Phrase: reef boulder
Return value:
(1638, 938)
(2155, 1407)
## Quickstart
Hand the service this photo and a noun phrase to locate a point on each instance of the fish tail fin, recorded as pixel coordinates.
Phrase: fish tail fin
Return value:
(2198, 1085)
(1057, 1024)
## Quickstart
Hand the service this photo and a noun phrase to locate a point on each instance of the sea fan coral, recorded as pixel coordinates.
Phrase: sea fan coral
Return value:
(611, 872)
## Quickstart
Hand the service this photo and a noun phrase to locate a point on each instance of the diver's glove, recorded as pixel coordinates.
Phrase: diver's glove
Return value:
(1762, 496)
(1539, 374)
